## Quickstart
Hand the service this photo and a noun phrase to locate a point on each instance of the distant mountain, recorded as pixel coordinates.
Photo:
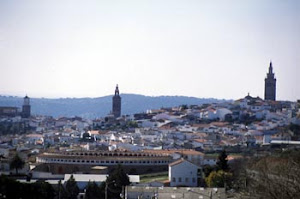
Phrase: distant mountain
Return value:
(101, 106)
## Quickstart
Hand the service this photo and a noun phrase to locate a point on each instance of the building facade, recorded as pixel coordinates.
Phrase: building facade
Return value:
(104, 158)
(8, 111)
(116, 106)
(184, 173)
(270, 85)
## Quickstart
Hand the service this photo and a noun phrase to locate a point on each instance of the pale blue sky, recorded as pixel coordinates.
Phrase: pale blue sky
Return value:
(220, 49)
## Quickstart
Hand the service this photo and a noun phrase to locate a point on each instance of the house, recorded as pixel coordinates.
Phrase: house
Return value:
(34, 138)
(196, 157)
(184, 173)
(196, 143)
(208, 160)
(222, 112)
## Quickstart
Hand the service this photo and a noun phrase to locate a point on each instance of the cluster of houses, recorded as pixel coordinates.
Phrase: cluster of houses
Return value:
(179, 139)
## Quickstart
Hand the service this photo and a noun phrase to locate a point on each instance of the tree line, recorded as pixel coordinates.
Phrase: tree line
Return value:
(113, 187)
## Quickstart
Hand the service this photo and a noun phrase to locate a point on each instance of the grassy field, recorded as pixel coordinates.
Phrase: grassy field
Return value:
(161, 176)
(217, 154)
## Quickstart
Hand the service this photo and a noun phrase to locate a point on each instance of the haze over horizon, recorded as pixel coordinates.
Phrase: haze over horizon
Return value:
(41, 97)
(203, 49)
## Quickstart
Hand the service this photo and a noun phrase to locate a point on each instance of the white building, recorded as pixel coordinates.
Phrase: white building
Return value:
(34, 138)
(222, 112)
(212, 161)
(184, 173)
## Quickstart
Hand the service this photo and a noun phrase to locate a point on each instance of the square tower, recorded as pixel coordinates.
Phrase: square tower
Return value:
(270, 84)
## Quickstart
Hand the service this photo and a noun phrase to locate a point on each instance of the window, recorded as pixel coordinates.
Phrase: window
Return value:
(174, 179)
(194, 180)
(179, 179)
(199, 172)
(186, 179)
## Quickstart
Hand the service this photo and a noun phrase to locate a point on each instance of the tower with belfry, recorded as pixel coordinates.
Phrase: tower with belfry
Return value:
(116, 103)
(270, 85)
(26, 109)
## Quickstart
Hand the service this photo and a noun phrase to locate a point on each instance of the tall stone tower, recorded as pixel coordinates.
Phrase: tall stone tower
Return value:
(270, 85)
(26, 109)
(116, 106)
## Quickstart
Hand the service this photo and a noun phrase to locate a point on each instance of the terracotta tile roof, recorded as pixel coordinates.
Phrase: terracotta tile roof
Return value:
(103, 131)
(176, 162)
(171, 151)
(181, 160)
(201, 125)
(200, 140)
(93, 132)
(34, 135)
(219, 124)
(200, 134)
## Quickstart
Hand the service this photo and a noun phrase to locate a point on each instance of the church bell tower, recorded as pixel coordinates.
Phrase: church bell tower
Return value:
(26, 109)
(270, 84)
(116, 106)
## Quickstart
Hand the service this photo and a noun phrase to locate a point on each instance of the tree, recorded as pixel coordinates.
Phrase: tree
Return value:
(60, 191)
(207, 169)
(184, 107)
(222, 163)
(239, 174)
(42, 189)
(218, 179)
(116, 181)
(17, 163)
(72, 189)
(275, 176)
(93, 191)
(10, 188)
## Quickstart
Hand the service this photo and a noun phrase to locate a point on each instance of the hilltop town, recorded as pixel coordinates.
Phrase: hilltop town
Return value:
(176, 145)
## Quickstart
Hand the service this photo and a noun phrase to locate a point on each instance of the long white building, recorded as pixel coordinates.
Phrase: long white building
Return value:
(105, 158)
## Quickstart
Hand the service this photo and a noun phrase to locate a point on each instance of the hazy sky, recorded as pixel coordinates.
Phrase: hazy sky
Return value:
(220, 49)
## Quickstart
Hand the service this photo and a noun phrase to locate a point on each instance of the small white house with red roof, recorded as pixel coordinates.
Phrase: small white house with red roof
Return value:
(184, 173)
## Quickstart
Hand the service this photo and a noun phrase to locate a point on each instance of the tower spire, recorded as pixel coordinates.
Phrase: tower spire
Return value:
(116, 105)
(270, 84)
(270, 68)
(117, 90)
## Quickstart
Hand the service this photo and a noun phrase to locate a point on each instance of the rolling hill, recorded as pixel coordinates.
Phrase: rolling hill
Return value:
(101, 106)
